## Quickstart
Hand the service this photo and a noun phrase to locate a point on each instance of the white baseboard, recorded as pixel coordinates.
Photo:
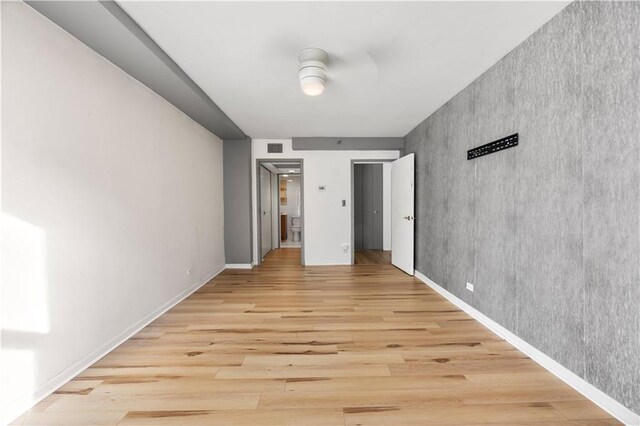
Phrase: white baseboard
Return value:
(211, 276)
(592, 393)
(15, 409)
(239, 265)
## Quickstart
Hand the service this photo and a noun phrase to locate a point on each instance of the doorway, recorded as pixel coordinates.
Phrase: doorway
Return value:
(289, 190)
(371, 212)
(398, 198)
(280, 213)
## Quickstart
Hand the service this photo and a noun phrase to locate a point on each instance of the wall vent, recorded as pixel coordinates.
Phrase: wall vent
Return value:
(275, 148)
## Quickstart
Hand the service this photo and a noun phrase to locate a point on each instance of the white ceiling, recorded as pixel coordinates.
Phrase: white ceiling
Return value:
(391, 63)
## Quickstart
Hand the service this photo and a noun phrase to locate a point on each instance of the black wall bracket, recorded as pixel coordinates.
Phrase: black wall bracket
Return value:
(491, 147)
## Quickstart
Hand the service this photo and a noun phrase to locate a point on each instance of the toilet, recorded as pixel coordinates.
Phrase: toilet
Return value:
(296, 227)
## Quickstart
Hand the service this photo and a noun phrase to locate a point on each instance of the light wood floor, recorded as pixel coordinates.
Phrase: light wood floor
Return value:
(284, 344)
(372, 257)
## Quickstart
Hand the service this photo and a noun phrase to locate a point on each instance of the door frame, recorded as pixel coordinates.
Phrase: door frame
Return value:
(279, 220)
(259, 163)
(353, 197)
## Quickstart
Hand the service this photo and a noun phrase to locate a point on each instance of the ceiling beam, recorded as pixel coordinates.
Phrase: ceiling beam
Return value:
(106, 28)
(348, 144)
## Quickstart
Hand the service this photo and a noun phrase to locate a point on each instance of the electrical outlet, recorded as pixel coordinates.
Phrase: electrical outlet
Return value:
(189, 271)
(469, 286)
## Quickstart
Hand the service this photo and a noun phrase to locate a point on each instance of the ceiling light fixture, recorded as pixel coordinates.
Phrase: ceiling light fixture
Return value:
(285, 175)
(292, 171)
(313, 70)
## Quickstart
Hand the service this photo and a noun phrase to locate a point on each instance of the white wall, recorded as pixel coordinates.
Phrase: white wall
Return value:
(109, 195)
(386, 206)
(327, 225)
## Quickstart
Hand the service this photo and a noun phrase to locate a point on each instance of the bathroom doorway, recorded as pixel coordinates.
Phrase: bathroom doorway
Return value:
(289, 208)
(371, 212)
(283, 228)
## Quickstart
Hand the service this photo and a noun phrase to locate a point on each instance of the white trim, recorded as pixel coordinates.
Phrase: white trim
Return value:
(239, 265)
(22, 404)
(592, 393)
(211, 276)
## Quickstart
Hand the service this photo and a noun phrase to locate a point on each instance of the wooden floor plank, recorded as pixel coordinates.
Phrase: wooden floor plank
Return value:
(334, 345)
(372, 257)
(312, 417)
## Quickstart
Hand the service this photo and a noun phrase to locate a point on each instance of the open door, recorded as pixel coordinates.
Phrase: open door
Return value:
(402, 211)
(265, 210)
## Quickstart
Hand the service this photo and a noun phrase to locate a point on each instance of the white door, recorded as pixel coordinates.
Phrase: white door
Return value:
(402, 220)
(265, 211)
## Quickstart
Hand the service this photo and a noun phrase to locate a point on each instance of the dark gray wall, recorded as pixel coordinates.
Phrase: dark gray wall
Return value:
(344, 144)
(367, 205)
(358, 183)
(237, 201)
(548, 231)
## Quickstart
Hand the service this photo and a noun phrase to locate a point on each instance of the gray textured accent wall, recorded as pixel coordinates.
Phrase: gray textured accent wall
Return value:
(549, 231)
(237, 201)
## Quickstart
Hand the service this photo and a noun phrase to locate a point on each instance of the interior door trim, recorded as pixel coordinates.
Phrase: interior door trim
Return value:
(257, 209)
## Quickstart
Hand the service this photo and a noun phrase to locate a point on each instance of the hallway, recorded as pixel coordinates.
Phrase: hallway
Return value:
(338, 345)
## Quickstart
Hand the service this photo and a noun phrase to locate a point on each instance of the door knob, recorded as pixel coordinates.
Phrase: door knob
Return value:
(408, 217)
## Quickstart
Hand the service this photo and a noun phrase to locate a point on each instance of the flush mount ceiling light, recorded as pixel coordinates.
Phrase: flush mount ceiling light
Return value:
(312, 70)
(292, 171)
